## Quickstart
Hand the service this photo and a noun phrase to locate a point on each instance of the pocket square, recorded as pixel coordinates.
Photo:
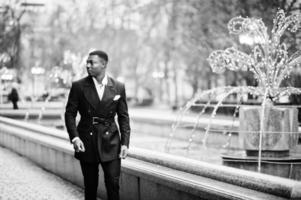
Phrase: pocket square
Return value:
(116, 97)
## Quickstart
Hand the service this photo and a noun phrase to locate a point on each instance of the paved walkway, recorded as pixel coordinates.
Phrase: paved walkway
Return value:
(20, 179)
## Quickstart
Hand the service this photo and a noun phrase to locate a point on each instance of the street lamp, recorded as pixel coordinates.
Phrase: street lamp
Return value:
(159, 75)
(36, 71)
(253, 33)
(26, 4)
(250, 39)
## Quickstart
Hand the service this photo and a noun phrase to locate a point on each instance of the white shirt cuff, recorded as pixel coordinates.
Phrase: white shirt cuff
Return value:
(74, 139)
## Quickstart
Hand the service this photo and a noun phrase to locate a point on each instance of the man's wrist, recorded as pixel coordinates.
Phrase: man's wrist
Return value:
(74, 139)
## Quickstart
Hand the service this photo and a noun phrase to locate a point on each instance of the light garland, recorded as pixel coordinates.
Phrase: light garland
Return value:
(269, 60)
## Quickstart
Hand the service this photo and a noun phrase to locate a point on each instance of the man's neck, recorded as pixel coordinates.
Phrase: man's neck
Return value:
(99, 78)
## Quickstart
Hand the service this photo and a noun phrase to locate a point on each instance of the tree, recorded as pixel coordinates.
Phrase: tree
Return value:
(204, 29)
(10, 29)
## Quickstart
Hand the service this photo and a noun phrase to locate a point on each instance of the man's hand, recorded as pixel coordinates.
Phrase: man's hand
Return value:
(78, 145)
(123, 152)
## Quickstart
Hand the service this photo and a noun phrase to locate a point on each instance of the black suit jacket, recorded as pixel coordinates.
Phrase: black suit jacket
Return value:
(102, 142)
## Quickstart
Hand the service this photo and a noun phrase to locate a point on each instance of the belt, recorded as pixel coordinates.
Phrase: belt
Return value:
(100, 120)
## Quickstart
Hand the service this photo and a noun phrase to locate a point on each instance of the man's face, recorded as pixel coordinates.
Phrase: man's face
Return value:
(95, 65)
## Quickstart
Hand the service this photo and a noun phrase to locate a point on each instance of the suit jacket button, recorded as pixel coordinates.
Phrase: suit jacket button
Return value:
(91, 133)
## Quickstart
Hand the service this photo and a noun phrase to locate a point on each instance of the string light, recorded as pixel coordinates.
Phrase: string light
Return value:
(269, 60)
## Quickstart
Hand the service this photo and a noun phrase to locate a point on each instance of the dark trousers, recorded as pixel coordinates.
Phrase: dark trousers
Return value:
(111, 172)
(15, 105)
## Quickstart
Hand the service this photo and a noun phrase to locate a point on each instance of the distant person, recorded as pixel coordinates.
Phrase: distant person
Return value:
(96, 139)
(13, 96)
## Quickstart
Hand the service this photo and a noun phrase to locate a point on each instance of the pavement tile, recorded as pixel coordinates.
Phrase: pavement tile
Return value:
(22, 179)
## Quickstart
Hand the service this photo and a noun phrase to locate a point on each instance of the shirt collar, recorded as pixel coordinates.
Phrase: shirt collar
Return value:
(104, 80)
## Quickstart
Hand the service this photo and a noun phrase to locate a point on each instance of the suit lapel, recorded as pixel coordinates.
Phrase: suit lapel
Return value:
(109, 93)
(91, 93)
(110, 90)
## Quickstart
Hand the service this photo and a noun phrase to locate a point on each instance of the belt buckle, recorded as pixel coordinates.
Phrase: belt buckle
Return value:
(94, 120)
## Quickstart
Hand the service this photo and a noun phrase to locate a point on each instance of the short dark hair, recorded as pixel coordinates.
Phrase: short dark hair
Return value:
(100, 54)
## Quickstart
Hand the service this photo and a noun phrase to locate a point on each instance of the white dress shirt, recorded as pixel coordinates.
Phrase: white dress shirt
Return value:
(100, 89)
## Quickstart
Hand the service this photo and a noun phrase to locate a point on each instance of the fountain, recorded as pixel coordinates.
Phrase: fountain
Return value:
(268, 134)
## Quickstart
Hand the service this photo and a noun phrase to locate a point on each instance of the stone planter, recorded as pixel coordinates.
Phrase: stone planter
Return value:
(280, 127)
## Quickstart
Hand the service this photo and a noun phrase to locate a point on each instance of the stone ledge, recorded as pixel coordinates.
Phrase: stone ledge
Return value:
(254, 181)
(35, 128)
(192, 184)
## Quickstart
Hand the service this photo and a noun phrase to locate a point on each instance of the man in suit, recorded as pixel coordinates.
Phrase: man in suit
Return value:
(96, 139)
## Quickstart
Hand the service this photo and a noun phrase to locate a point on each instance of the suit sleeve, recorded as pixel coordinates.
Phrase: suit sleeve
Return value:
(71, 112)
(123, 119)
